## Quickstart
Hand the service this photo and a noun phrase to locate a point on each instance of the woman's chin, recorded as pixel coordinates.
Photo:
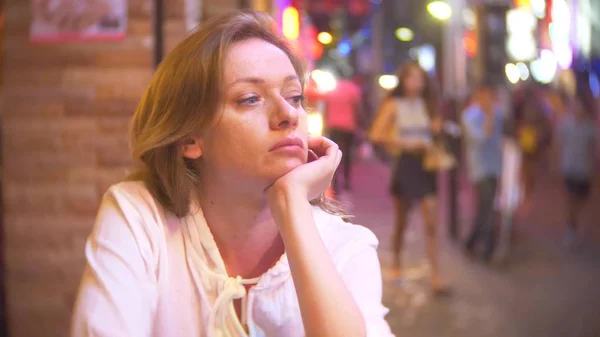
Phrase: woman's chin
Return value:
(278, 170)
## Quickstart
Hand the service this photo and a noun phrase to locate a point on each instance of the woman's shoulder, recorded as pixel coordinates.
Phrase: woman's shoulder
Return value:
(130, 226)
(131, 192)
(131, 188)
(339, 235)
(134, 203)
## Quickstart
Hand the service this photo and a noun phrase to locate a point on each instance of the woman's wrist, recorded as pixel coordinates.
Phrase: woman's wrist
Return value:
(283, 198)
(279, 193)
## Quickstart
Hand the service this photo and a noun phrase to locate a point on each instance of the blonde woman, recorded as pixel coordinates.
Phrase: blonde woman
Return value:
(214, 235)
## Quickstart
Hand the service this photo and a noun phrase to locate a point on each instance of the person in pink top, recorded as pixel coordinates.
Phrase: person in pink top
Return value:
(342, 107)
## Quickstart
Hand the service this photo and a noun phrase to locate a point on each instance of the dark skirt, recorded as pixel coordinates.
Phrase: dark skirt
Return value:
(410, 180)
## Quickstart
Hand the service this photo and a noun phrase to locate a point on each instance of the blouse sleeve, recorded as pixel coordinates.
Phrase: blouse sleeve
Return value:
(117, 295)
(362, 274)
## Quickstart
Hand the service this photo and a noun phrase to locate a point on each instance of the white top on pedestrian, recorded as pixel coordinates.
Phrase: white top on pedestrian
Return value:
(412, 120)
(150, 273)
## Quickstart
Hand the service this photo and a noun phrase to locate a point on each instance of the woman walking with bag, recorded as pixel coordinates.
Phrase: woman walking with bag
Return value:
(406, 124)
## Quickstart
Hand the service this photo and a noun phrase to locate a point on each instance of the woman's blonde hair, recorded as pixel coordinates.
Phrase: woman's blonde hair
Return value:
(183, 98)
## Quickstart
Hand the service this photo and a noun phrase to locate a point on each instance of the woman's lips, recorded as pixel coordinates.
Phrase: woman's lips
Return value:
(290, 143)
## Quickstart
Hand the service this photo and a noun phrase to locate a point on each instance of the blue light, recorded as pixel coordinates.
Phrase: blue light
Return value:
(344, 48)
(594, 84)
(365, 32)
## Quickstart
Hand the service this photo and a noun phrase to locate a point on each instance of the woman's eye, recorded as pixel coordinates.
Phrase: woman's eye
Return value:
(249, 100)
(297, 100)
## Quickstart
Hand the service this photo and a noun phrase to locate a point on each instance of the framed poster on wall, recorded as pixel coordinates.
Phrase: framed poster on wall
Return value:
(67, 21)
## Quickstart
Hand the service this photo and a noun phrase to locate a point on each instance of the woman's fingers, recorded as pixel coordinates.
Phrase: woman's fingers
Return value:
(322, 146)
(326, 149)
(317, 145)
(338, 158)
(312, 156)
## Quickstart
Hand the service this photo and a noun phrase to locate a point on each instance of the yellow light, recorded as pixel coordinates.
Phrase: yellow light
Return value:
(315, 124)
(324, 38)
(512, 73)
(404, 34)
(291, 23)
(325, 80)
(388, 81)
(522, 3)
(440, 10)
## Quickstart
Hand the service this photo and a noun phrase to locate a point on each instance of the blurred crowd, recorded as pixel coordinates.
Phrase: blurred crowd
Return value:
(506, 138)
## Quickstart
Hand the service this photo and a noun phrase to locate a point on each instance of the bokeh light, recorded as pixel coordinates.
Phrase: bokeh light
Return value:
(523, 71)
(544, 68)
(404, 34)
(512, 73)
(388, 81)
(440, 10)
(325, 38)
(324, 79)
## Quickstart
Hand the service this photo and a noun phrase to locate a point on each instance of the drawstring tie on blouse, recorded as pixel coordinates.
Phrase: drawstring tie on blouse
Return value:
(233, 289)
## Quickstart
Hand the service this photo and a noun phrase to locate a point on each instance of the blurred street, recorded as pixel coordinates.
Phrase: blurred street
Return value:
(543, 289)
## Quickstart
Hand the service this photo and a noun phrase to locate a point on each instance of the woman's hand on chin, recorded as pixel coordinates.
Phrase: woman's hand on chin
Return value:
(320, 289)
(311, 179)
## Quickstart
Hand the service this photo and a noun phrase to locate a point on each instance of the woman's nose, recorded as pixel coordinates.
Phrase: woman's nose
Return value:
(284, 115)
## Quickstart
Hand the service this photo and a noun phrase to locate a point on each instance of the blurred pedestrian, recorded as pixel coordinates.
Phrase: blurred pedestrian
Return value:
(411, 109)
(483, 126)
(534, 134)
(342, 108)
(578, 141)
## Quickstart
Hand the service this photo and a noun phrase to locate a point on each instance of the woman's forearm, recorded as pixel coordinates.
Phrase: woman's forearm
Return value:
(327, 307)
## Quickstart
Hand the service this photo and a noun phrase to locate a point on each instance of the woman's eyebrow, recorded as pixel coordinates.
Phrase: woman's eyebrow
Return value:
(258, 80)
(253, 80)
(292, 77)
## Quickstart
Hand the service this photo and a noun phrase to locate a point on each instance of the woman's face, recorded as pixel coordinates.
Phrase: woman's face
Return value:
(261, 107)
(414, 83)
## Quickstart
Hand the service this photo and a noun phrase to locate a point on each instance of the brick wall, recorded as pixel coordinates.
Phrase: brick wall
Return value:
(65, 113)
(64, 125)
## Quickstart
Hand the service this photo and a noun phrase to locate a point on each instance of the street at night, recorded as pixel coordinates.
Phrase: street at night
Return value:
(542, 290)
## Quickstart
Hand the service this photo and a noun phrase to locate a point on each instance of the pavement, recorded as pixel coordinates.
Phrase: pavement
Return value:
(543, 289)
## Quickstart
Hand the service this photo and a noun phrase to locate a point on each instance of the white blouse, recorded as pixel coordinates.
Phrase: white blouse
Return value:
(150, 273)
